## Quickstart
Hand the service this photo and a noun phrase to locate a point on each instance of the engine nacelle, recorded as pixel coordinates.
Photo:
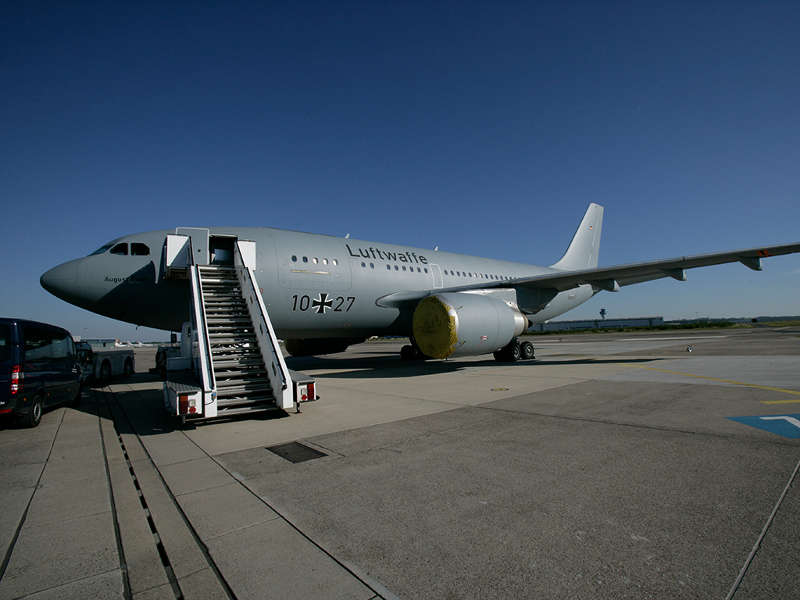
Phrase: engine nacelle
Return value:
(463, 324)
(319, 346)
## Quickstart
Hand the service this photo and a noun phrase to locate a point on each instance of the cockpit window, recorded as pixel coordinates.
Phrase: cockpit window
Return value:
(101, 249)
(120, 249)
(139, 249)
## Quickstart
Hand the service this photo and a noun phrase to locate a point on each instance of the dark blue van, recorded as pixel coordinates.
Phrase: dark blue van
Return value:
(38, 368)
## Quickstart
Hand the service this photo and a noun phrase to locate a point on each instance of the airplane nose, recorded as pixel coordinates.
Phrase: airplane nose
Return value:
(62, 281)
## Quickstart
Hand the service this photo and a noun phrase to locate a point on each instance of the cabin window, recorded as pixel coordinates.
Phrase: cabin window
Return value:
(426, 269)
(335, 262)
(139, 249)
(324, 261)
(363, 265)
(388, 267)
(315, 260)
(305, 259)
(396, 268)
(294, 258)
(121, 249)
(371, 265)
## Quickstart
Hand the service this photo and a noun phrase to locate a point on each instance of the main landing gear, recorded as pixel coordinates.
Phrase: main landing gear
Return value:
(514, 351)
(411, 352)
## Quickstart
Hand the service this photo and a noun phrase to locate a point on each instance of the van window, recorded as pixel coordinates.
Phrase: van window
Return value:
(38, 342)
(5, 342)
(139, 249)
(61, 346)
(120, 249)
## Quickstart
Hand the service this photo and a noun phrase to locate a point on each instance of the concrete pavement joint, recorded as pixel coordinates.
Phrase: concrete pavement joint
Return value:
(205, 489)
(159, 546)
(730, 381)
(623, 424)
(10, 549)
(70, 582)
(763, 534)
(200, 544)
(244, 527)
(291, 524)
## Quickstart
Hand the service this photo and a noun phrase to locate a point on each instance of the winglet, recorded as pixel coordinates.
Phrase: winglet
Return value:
(584, 250)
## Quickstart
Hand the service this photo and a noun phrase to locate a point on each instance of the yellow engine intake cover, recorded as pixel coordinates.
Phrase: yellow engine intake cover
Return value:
(434, 327)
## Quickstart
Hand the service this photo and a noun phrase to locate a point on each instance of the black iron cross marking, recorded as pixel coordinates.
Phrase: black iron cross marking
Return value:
(321, 303)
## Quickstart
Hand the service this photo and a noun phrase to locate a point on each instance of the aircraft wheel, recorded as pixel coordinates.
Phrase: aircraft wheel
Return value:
(511, 352)
(407, 352)
(128, 369)
(526, 348)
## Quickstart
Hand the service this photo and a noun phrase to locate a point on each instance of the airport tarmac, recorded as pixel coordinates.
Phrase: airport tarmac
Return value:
(610, 467)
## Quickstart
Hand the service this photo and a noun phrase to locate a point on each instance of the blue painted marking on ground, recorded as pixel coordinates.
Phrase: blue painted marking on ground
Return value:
(787, 426)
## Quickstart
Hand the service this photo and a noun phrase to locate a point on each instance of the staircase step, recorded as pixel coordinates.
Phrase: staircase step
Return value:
(258, 373)
(246, 407)
(228, 321)
(238, 362)
(242, 390)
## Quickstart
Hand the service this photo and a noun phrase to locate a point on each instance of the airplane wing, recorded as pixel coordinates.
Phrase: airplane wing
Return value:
(609, 278)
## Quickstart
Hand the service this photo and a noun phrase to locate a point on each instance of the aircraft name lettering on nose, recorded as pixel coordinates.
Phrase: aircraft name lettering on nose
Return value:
(322, 303)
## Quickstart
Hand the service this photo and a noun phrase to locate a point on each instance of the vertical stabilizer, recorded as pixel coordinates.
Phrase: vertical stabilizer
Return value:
(584, 249)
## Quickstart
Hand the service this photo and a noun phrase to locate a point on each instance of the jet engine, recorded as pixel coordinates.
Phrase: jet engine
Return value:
(318, 346)
(464, 324)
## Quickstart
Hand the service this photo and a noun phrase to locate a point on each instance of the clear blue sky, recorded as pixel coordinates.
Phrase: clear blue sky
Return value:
(483, 128)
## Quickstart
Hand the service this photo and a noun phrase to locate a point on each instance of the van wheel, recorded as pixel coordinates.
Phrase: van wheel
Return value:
(34, 416)
(105, 372)
(77, 399)
(128, 369)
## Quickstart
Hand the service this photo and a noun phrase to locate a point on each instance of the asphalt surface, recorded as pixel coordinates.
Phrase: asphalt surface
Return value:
(610, 467)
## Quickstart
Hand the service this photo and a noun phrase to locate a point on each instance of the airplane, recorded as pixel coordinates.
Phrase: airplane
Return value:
(324, 293)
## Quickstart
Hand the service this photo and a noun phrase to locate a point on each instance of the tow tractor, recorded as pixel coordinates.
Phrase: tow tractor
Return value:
(229, 361)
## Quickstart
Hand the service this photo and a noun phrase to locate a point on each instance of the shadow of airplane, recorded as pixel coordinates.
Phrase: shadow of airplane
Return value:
(391, 367)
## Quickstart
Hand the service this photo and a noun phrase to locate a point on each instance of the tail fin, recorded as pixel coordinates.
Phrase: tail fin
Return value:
(584, 249)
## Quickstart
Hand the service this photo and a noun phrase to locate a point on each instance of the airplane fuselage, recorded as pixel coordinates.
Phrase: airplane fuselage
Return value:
(314, 286)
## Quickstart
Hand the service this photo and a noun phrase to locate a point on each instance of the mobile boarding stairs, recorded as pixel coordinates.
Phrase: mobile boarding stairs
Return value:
(230, 361)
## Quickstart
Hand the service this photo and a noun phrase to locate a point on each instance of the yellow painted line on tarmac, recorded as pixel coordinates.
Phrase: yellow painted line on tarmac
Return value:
(731, 381)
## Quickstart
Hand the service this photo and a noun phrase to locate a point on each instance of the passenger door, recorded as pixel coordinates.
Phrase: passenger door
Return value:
(436, 273)
(199, 237)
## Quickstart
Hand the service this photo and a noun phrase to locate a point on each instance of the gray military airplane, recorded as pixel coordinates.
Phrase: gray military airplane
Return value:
(324, 293)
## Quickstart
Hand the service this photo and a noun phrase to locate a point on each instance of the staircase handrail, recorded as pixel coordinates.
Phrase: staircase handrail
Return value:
(203, 345)
(277, 371)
